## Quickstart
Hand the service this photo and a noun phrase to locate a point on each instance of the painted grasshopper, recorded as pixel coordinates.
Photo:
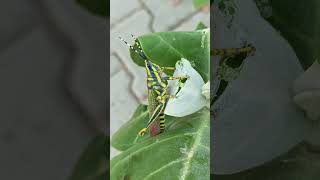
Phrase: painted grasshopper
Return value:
(157, 89)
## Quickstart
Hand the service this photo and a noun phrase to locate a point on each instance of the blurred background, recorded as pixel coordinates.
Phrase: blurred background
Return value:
(53, 86)
(138, 17)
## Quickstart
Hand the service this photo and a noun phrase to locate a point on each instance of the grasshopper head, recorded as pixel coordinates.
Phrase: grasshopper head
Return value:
(136, 50)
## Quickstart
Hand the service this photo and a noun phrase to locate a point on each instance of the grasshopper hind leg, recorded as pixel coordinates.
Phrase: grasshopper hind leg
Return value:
(142, 131)
(161, 122)
(155, 116)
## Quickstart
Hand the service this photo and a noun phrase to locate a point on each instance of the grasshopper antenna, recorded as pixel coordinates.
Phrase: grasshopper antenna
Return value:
(129, 45)
(141, 53)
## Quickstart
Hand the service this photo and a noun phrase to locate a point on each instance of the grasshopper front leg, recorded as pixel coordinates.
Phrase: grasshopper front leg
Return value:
(168, 68)
(175, 78)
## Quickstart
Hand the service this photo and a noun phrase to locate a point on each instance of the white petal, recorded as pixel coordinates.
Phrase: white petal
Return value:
(309, 101)
(206, 90)
(308, 80)
(307, 90)
(189, 99)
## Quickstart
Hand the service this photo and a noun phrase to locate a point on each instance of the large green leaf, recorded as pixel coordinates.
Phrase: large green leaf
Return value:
(297, 21)
(166, 48)
(92, 164)
(181, 152)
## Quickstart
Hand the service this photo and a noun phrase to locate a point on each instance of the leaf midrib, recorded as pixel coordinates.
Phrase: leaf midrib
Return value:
(196, 145)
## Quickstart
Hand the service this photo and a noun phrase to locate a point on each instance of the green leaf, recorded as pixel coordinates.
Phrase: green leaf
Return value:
(92, 164)
(200, 3)
(201, 26)
(125, 137)
(298, 22)
(166, 48)
(181, 152)
(97, 7)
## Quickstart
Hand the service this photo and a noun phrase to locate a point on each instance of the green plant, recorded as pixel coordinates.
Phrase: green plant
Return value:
(183, 149)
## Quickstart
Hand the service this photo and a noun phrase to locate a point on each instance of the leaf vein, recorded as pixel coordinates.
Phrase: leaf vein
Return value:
(170, 46)
(163, 167)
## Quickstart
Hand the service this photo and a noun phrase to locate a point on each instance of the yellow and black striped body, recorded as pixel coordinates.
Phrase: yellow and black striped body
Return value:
(157, 95)
(157, 124)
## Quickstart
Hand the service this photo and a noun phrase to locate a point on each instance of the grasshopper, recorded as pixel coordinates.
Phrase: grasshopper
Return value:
(157, 86)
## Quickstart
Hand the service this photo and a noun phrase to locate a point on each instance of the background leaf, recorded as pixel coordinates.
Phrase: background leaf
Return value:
(201, 26)
(96, 7)
(182, 150)
(298, 164)
(166, 48)
(92, 164)
(298, 22)
(200, 3)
